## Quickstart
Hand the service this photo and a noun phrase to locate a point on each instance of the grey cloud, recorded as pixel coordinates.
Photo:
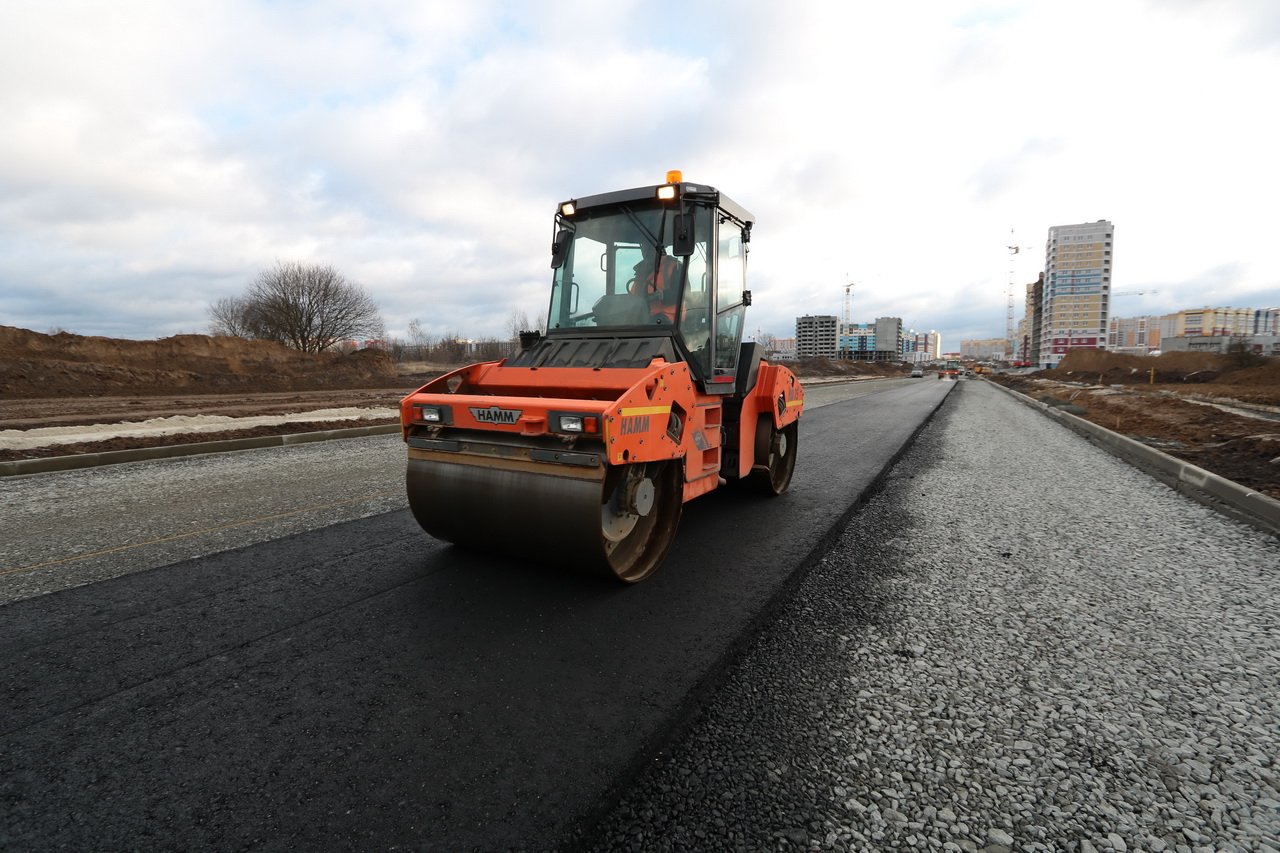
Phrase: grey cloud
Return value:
(998, 175)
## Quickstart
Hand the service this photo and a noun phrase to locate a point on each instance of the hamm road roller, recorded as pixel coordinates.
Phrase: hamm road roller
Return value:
(581, 449)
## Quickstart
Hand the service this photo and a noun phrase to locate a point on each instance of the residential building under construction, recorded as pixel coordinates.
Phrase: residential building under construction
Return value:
(1075, 305)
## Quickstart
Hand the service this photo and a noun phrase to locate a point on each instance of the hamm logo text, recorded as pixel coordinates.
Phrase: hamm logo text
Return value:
(494, 415)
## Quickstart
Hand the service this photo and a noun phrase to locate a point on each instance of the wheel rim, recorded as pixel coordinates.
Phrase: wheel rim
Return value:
(632, 501)
(782, 458)
(639, 512)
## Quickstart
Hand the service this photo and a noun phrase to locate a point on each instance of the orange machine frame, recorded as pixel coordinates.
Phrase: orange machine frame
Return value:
(644, 414)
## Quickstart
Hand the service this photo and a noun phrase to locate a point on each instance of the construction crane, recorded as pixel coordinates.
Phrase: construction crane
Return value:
(848, 298)
(1132, 292)
(1014, 249)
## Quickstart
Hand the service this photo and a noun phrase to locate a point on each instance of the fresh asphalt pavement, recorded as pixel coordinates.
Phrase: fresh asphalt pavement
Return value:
(69, 528)
(361, 685)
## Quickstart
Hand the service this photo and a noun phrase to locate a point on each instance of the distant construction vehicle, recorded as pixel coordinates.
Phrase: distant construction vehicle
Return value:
(581, 449)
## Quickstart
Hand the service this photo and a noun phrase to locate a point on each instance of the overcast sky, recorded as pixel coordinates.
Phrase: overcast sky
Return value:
(154, 156)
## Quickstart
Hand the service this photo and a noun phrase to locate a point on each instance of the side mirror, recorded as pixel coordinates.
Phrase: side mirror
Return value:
(560, 248)
(682, 239)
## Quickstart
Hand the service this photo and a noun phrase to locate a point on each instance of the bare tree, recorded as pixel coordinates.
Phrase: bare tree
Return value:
(490, 349)
(517, 322)
(1241, 354)
(306, 306)
(768, 341)
(450, 349)
(419, 341)
(231, 317)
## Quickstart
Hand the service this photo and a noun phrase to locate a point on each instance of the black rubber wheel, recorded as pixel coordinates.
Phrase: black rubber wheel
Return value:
(776, 456)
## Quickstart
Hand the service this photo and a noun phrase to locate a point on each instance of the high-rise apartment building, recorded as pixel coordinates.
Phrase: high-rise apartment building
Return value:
(883, 340)
(816, 336)
(984, 349)
(1133, 335)
(857, 341)
(1029, 344)
(1075, 304)
(1218, 329)
(921, 346)
(1210, 322)
(888, 338)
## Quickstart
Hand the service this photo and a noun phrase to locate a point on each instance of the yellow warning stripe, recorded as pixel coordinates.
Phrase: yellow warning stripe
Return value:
(791, 403)
(647, 410)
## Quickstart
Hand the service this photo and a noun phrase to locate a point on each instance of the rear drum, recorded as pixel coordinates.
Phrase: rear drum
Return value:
(620, 521)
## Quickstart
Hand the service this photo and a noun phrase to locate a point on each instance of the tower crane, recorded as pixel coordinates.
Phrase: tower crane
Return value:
(848, 298)
(1014, 249)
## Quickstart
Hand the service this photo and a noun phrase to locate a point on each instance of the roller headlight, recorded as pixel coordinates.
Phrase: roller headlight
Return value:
(433, 415)
(573, 423)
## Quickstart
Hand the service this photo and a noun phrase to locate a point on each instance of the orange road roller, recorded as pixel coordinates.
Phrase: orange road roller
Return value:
(582, 448)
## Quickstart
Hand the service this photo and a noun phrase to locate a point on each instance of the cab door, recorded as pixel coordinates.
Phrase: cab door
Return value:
(731, 309)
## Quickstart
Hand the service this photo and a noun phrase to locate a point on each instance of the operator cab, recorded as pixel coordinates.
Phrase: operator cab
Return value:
(665, 264)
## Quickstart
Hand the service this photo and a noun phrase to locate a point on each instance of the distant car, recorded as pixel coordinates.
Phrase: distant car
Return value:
(917, 372)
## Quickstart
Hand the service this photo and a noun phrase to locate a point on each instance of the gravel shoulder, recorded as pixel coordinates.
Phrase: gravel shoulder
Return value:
(999, 654)
(1232, 431)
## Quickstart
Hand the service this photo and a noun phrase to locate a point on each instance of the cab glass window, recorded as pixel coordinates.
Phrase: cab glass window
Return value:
(695, 310)
(731, 275)
(619, 270)
(732, 266)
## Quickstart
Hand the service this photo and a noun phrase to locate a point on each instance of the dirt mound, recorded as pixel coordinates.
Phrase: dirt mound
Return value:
(1105, 368)
(826, 367)
(1263, 374)
(37, 365)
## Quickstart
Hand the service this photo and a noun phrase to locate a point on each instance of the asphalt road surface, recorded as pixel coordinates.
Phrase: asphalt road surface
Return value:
(71, 528)
(358, 684)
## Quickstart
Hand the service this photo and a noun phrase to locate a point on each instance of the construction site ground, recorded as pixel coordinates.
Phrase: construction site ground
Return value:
(1206, 409)
(1213, 411)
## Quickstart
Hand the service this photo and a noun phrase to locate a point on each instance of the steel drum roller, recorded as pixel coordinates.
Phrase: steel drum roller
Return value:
(619, 520)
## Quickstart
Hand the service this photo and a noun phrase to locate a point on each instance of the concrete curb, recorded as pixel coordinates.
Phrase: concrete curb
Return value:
(19, 467)
(1219, 493)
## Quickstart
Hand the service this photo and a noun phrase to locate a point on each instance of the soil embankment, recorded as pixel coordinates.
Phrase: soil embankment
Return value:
(37, 365)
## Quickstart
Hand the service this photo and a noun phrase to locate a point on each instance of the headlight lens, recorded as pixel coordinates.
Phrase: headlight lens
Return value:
(573, 423)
